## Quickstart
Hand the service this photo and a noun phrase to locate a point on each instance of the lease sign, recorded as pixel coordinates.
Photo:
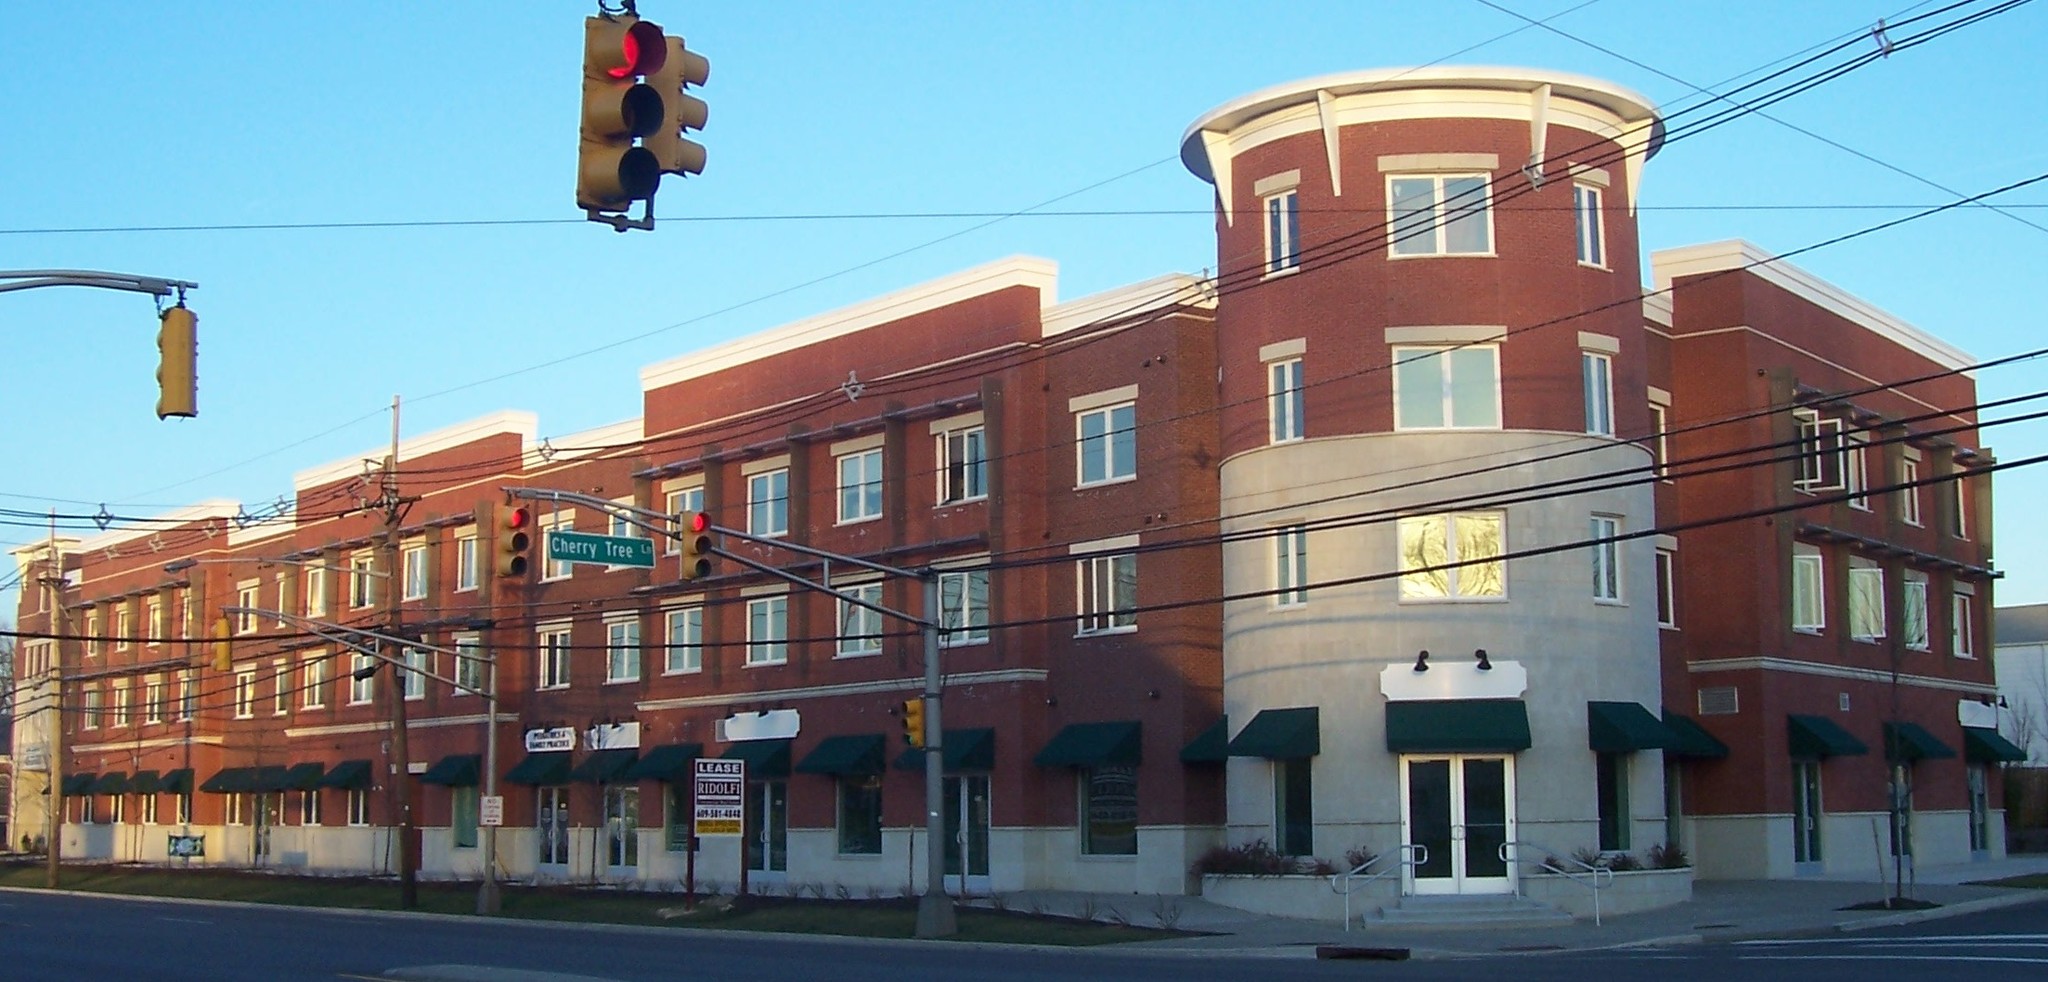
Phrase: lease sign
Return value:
(721, 796)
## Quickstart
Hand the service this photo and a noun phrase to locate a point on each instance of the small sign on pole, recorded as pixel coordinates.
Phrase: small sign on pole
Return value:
(721, 795)
(490, 810)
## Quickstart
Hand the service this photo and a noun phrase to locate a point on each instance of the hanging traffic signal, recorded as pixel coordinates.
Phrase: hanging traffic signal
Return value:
(612, 173)
(680, 110)
(223, 649)
(913, 721)
(177, 370)
(514, 540)
(697, 548)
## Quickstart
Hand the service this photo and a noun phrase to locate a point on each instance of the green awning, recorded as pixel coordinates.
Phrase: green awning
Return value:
(541, 769)
(604, 766)
(1280, 734)
(112, 782)
(145, 782)
(1983, 745)
(1819, 736)
(1625, 728)
(304, 777)
(1211, 746)
(78, 784)
(1092, 745)
(673, 763)
(860, 753)
(268, 778)
(351, 774)
(765, 758)
(1907, 742)
(1693, 739)
(964, 750)
(455, 771)
(1457, 725)
(228, 780)
(178, 781)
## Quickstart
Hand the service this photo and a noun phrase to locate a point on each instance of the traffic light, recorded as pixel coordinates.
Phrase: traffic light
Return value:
(514, 539)
(697, 546)
(177, 370)
(223, 649)
(612, 173)
(913, 721)
(680, 110)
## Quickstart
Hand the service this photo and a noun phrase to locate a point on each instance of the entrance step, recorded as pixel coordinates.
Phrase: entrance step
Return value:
(1469, 910)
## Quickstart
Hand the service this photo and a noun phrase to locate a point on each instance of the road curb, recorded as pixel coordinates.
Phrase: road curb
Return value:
(1960, 909)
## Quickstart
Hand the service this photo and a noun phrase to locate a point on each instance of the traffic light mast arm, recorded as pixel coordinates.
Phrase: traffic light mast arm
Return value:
(366, 642)
(29, 279)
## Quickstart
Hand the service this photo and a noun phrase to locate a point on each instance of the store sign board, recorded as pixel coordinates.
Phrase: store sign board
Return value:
(721, 796)
(550, 739)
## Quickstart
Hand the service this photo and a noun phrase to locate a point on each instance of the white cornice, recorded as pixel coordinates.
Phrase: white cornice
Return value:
(592, 441)
(1790, 666)
(1667, 265)
(1026, 271)
(381, 727)
(843, 689)
(1657, 309)
(1171, 290)
(207, 510)
(516, 421)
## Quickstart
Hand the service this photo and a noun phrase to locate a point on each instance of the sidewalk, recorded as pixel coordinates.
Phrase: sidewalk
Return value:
(1719, 910)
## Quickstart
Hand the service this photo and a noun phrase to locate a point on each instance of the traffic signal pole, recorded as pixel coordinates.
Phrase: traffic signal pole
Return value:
(401, 779)
(935, 915)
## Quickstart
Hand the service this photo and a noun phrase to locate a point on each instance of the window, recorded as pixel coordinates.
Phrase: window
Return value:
(92, 633)
(316, 592)
(860, 815)
(554, 658)
(188, 697)
(185, 809)
(685, 652)
(1596, 372)
(1293, 807)
(246, 597)
(148, 808)
(1959, 515)
(963, 607)
(860, 486)
(309, 808)
(620, 526)
(681, 504)
(1963, 617)
(124, 627)
(1854, 480)
(362, 681)
(622, 825)
(418, 662)
(1109, 810)
(1592, 234)
(153, 618)
(1913, 610)
(114, 809)
(1809, 591)
(622, 650)
(1823, 456)
(1660, 439)
(1606, 558)
(1440, 215)
(153, 701)
(1909, 497)
(362, 581)
(1866, 600)
(1447, 388)
(1290, 566)
(89, 713)
(1284, 400)
(1108, 444)
(358, 806)
(768, 630)
(462, 816)
(313, 681)
(471, 671)
(245, 694)
(1108, 593)
(237, 809)
(1667, 588)
(555, 569)
(860, 628)
(1283, 232)
(287, 595)
(465, 563)
(414, 562)
(117, 706)
(281, 688)
(768, 502)
(962, 465)
(1453, 557)
(1611, 788)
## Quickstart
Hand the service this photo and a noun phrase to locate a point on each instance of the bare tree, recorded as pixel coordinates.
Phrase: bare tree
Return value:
(2026, 679)
(6, 672)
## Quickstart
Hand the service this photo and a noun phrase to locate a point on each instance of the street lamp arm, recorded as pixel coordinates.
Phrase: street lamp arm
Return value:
(365, 642)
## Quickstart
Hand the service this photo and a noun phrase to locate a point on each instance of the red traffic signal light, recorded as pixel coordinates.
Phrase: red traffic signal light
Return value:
(513, 540)
(697, 546)
(611, 172)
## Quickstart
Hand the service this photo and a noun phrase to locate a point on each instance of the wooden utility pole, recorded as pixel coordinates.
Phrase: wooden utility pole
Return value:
(53, 728)
(401, 770)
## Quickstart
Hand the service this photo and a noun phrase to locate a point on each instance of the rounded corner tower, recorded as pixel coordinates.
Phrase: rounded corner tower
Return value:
(1434, 405)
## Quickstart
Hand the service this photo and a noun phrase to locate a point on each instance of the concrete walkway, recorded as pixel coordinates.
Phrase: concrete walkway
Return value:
(1719, 909)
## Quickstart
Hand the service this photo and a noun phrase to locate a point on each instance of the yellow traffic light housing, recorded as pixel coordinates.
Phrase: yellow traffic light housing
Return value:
(513, 541)
(697, 546)
(612, 173)
(680, 110)
(223, 649)
(177, 371)
(913, 721)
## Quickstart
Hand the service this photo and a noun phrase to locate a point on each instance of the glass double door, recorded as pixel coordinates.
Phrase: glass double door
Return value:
(1461, 808)
(551, 827)
(967, 821)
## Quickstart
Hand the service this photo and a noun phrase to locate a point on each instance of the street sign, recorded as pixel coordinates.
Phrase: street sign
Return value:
(604, 550)
(490, 810)
(721, 796)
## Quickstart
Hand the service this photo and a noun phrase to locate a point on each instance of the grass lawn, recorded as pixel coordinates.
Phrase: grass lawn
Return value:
(2038, 881)
(894, 918)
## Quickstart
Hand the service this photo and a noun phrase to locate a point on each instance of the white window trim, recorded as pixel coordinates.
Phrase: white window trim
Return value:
(1438, 220)
(313, 681)
(960, 427)
(1606, 555)
(1909, 497)
(1108, 438)
(1405, 352)
(1603, 392)
(766, 645)
(543, 657)
(362, 568)
(1660, 438)
(1100, 566)
(788, 492)
(1667, 559)
(1808, 555)
(1289, 236)
(472, 644)
(243, 696)
(673, 496)
(1962, 622)
(842, 608)
(631, 622)
(1288, 405)
(468, 572)
(315, 583)
(248, 593)
(559, 521)
(1864, 570)
(671, 643)
(413, 556)
(1291, 584)
(368, 686)
(1599, 223)
(1912, 582)
(966, 636)
(1855, 479)
(869, 458)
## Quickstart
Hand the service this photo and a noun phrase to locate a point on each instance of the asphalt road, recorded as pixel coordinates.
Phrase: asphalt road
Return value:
(84, 939)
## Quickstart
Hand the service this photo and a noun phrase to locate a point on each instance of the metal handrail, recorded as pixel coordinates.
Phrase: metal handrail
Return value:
(1590, 876)
(1410, 853)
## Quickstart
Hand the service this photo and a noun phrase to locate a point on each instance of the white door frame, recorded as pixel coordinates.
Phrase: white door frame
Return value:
(1459, 882)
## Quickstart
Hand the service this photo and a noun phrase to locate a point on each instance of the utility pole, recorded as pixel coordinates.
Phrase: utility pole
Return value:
(487, 900)
(53, 578)
(394, 588)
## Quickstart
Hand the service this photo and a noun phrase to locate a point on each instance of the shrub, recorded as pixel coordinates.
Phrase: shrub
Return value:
(1622, 862)
(1259, 858)
(1357, 857)
(1669, 856)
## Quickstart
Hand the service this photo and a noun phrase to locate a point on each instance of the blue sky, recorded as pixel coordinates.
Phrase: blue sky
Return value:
(125, 115)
